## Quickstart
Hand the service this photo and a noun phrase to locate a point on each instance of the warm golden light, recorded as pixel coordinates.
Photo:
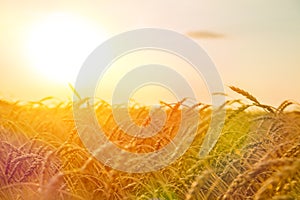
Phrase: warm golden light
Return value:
(58, 45)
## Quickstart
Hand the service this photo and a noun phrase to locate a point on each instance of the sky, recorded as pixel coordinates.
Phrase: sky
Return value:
(255, 45)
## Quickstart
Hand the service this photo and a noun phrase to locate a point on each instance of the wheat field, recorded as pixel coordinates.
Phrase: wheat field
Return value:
(256, 157)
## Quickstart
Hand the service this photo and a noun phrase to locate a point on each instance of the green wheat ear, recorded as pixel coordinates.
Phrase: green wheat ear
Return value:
(74, 91)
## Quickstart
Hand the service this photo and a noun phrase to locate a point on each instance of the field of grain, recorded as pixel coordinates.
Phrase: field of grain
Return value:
(256, 157)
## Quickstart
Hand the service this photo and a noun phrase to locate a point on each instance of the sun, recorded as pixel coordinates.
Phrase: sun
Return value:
(57, 45)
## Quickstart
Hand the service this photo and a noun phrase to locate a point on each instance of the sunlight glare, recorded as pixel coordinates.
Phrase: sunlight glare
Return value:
(58, 45)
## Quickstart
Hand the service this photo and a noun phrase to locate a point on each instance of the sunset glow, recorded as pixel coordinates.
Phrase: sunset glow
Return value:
(58, 45)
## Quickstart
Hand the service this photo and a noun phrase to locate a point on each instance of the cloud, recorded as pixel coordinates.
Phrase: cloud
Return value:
(205, 34)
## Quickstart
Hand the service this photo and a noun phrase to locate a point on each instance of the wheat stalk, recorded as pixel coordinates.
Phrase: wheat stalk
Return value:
(245, 94)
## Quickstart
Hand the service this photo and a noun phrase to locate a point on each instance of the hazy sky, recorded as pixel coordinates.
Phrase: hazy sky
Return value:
(254, 44)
